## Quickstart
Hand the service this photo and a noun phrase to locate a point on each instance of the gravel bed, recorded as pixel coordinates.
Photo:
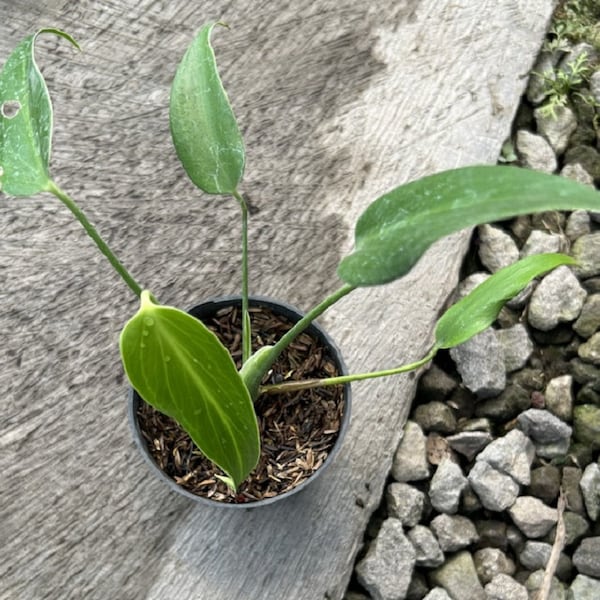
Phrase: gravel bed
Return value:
(500, 458)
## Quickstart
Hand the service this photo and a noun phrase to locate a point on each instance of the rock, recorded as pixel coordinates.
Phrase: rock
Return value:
(480, 362)
(578, 224)
(435, 416)
(545, 483)
(511, 454)
(532, 516)
(595, 86)
(586, 424)
(504, 587)
(557, 128)
(355, 596)
(447, 484)
(492, 534)
(559, 397)
(459, 578)
(410, 459)
(589, 318)
(535, 152)
(550, 435)
(571, 478)
(577, 173)
(386, 570)
(511, 402)
(438, 449)
(535, 555)
(405, 503)
(586, 556)
(469, 443)
(427, 548)
(542, 69)
(540, 242)
(436, 385)
(496, 490)
(585, 251)
(558, 298)
(584, 588)
(490, 562)
(469, 502)
(590, 350)
(590, 490)
(585, 156)
(585, 373)
(453, 532)
(576, 527)
(437, 593)
(534, 582)
(516, 346)
(496, 248)
(478, 424)
(418, 587)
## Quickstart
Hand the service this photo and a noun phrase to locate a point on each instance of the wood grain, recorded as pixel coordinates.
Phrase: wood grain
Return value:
(339, 102)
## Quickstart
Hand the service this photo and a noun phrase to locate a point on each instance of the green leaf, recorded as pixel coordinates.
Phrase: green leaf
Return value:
(180, 367)
(203, 127)
(395, 230)
(25, 121)
(479, 309)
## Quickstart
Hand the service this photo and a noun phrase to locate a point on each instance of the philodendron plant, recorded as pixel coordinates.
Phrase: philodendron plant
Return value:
(174, 362)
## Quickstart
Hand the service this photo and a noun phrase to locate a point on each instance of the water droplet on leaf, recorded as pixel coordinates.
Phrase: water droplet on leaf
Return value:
(149, 321)
(10, 109)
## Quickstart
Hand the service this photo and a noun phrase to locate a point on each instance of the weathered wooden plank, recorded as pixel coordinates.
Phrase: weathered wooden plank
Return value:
(339, 101)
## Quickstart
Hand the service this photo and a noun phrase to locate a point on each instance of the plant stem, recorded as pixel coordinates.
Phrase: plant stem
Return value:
(293, 386)
(91, 231)
(246, 333)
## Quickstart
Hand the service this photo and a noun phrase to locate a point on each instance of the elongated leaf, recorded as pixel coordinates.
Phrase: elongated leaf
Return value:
(203, 127)
(394, 231)
(25, 121)
(179, 366)
(479, 309)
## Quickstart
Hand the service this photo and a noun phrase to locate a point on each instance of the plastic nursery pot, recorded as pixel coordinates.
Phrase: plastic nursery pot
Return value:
(318, 418)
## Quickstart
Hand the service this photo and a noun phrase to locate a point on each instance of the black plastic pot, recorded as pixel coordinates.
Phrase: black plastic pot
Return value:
(204, 312)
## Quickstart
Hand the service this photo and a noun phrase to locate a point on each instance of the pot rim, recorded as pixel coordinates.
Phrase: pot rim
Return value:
(315, 329)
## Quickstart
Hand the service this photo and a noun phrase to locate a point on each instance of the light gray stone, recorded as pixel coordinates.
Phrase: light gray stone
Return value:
(504, 587)
(590, 489)
(497, 249)
(595, 85)
(405, 503)
(469, 283)
(480, 362)
(534, 518)
(535, 152)
(428, 550)
(410, 459)
(559, 397)
(469, 443)
(577, 172)
(535, 556)
(446, 486)
(516, 346)
(558, 298)
(496, 490)
(540, 242)
(454, 532)
(542, 69)
(435, 416)
(511, 454)
(589, 318)
(586, 251)
(590, 351)
(534, 582)
(459, 578)
(584, 587)
(550, 435)
(438, 593)
(587, 557)
(490, 562)
(576, 527)
(556, 128)
(578, 223)
(386, 570)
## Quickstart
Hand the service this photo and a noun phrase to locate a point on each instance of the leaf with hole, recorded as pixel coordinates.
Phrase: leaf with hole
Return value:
(25, 121)
(205, 133)
(396, 229)
(479, 309)
(179, 366)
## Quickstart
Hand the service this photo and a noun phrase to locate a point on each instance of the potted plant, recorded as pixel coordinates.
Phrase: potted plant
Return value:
(185, 380)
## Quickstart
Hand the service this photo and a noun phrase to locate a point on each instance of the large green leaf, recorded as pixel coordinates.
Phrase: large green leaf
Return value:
(25, 121)
(204, 129)
(180, 367)
(479, 309)
(395, 230)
